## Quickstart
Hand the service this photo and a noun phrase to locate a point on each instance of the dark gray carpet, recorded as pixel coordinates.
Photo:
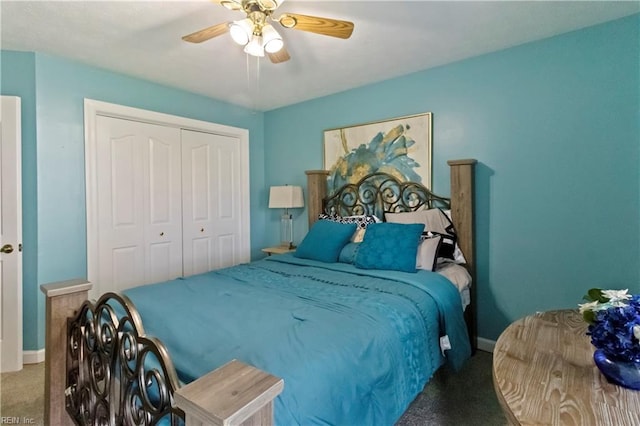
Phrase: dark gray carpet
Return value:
(463, 398)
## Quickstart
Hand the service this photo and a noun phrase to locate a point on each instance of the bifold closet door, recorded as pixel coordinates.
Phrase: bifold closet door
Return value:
(211, 201)
(139, 203)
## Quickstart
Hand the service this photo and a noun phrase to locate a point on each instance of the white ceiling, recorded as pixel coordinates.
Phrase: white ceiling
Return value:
(391, 38)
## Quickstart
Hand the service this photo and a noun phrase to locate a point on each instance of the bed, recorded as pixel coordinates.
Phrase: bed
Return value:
(351, 344)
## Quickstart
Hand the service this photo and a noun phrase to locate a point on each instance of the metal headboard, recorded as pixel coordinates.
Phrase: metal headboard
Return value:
(380, 192)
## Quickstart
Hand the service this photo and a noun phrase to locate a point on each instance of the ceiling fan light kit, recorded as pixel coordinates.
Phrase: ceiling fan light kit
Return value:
(258, 36)
(254, 47)
(241, 31)
(271, 39)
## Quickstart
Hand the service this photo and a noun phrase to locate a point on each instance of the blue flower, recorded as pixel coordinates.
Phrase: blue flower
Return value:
(614, 327)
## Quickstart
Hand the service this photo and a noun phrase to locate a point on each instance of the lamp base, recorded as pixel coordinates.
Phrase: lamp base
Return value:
(286, 230)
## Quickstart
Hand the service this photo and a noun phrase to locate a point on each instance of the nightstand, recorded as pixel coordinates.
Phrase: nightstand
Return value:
(278, 250)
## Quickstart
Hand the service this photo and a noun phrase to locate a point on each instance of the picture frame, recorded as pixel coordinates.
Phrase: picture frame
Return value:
(399, 146)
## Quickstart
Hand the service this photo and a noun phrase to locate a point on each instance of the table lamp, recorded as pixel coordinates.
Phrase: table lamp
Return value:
(286, 197)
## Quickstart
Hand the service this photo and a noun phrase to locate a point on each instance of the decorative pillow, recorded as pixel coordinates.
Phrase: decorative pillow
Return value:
(427, 257)
(389, 246)
(325, 240)
(361, 220)
(458, 256)
(436, 222)
(348, 253)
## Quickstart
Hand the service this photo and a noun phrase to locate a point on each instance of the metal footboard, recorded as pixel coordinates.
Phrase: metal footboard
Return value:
(116, 375)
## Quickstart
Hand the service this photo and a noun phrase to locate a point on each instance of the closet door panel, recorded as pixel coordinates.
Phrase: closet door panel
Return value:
(197, 212)
(211, 201)
(227, 193)
(139, 205)
(163, 224)
(201, 256)
(120, 207)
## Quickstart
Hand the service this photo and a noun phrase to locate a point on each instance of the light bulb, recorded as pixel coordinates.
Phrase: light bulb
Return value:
(254, 47)
(271, 39)
(241, 31)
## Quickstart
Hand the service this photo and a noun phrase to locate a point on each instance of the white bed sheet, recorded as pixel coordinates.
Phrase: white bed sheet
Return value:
(460, 277)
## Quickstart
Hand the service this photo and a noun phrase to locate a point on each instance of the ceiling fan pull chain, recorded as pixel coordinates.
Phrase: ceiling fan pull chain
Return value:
(257, 96)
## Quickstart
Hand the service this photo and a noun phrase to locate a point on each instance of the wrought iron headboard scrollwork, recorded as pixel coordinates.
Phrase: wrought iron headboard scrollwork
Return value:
(380, 192)
(116, 374)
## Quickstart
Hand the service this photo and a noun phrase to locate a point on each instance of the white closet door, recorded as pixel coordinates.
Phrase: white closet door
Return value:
(139, 207)
(212, 201)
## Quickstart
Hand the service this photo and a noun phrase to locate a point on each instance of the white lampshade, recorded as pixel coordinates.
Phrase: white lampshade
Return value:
(241, 31)
(254, 47)
(285, 197)
(271, 39)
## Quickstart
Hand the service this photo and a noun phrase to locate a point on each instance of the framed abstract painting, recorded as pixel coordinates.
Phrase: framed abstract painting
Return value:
(399, 146)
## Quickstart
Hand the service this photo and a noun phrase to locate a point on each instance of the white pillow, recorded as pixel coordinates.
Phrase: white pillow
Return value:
(428, 253)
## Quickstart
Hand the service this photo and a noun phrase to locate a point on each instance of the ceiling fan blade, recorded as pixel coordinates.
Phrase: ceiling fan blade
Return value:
(207, 33)
(316, 24)
(280, 56)
(229, 4)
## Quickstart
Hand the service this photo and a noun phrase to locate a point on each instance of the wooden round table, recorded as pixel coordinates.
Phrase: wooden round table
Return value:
(544, 374)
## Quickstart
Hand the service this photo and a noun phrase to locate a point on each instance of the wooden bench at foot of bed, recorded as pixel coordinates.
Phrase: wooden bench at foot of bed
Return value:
(234, 394)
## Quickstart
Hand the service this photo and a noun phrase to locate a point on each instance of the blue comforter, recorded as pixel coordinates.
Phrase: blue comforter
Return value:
(353, 346)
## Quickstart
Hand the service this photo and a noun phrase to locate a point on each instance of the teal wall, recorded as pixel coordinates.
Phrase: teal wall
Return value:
(54, 208)
(555, 126)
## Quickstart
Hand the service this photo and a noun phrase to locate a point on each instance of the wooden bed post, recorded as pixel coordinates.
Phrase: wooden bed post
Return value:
(462, 214)
(64, 298)
(316, 191)
(234, 394)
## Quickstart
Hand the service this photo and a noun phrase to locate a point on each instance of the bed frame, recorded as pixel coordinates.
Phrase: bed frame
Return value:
(378, 193)
(101, 367)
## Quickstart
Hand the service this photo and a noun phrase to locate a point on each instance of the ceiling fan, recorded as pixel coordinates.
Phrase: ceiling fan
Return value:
(258, 36)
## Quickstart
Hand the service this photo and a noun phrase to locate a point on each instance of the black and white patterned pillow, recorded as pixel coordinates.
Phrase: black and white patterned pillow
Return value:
(362, 221)
(439, 224)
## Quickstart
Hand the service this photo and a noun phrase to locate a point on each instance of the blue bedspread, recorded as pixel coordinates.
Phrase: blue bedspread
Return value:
(353, 346)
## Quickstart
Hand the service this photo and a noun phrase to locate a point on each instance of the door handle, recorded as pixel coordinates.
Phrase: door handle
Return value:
(7, 248)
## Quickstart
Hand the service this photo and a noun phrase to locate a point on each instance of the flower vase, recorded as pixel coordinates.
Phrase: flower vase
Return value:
(623, 373)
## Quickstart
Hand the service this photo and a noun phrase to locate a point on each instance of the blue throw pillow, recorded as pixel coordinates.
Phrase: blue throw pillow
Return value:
(324, 241)
(390, 246)
(348, 253)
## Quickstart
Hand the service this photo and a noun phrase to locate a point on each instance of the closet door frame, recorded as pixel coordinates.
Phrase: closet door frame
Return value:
(94, 108)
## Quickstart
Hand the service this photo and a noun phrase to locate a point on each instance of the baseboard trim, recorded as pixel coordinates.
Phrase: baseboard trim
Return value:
(33, 357)
(486, 344)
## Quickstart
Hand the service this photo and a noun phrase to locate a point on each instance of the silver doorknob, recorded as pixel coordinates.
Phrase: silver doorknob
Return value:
(7, 248)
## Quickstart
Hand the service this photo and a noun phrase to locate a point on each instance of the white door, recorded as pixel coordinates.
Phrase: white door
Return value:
(10, 235)
(212, 179)
(139, 204)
